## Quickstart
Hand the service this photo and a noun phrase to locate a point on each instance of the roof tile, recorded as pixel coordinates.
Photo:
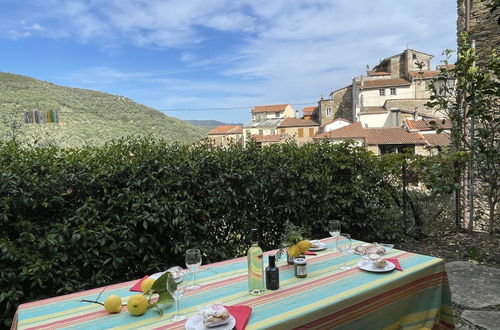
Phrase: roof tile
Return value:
(269, 108)
(297, 122)
(226, 129)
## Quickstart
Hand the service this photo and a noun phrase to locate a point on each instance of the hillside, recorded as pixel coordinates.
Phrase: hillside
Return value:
(85, 116)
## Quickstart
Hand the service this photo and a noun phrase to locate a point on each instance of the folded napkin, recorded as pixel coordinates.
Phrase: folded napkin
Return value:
(137, 286)
(241, 314)
(310, 253)
(395, 262)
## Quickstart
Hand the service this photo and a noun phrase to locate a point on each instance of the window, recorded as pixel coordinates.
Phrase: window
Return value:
(311, 131)
(276, 114)
(414, 56)
(393, 90)
(301, 132)
(282, 131)
(248, 133)
(261, 131)
(273, 132)
(328, 111)
(381, 91)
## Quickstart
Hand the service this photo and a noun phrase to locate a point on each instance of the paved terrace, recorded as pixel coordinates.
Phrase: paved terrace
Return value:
(476, 295)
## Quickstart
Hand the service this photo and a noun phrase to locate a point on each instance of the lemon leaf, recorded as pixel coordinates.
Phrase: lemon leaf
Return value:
(165, 298)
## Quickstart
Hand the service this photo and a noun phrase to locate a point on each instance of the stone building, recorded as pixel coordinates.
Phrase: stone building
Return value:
(225, 135)
(300, 130)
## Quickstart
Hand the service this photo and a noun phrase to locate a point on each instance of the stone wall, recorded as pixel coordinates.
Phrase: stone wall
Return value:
(410, 105)
(340, 102)
(483, 25)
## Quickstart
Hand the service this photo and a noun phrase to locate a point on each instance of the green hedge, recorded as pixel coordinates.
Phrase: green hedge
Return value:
(73, 219)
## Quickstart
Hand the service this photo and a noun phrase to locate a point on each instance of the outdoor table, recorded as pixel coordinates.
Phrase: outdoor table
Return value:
(328, 298)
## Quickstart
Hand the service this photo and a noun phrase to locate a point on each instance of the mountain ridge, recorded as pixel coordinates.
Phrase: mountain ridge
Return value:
(85, 116)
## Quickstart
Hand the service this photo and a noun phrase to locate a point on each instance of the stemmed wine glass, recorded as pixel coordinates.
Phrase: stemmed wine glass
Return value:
(334, 228)
(193, 261)
(177, 291)
(344, 248)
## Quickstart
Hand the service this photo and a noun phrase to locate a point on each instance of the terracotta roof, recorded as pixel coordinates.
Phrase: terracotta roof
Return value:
(351, 131)
(269, 108)
(309, 110)
(374, 136)
(441, 139)
(392, 135)
(297, 122)
(425, 125)
(226, 129)
(384, 83)
(424, 74)
(373, 110)
(267, 138)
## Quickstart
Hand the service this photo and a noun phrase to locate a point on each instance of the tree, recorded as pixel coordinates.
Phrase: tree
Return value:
(470, 95)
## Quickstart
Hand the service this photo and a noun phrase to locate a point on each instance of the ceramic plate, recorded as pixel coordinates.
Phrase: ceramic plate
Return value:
(195, 322)
(321, 246)
(370, 267)
(387, 247)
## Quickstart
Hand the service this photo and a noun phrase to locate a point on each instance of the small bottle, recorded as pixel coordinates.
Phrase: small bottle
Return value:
(255, 266)
(272, 274)
(300, 267)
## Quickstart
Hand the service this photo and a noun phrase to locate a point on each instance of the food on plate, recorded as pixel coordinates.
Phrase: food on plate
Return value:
(367, 249)
(374, 257)
(216, 318)
(315, 244)
(380, 263)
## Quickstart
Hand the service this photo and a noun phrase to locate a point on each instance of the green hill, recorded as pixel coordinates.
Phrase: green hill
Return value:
(85, 116)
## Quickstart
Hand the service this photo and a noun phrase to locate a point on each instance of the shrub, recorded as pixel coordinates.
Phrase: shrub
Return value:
(72, 219)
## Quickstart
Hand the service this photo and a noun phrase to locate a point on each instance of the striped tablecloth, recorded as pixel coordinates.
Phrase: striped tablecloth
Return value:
(329, 298)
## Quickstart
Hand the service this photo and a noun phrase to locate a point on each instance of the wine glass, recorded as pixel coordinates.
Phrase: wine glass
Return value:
(344, 248)
(177, 291)
(193, 261)
(334, 228)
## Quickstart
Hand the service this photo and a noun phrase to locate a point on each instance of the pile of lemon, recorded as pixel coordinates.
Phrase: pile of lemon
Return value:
(298, 248)
(136, 305)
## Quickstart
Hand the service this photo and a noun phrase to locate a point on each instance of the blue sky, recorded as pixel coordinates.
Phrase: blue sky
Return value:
(215, 59)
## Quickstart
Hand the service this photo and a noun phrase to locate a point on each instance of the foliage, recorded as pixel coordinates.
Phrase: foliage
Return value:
(469, 94)
(86, 116)
(132, 207)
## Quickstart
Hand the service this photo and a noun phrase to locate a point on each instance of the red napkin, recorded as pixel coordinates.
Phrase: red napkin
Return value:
(395, 262)
(137, 286)
(241, 314)
(310, 253)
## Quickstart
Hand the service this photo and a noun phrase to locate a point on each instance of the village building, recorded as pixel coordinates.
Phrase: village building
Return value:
(225, 135)
(265, 120)
(391, 91)
(300, 130)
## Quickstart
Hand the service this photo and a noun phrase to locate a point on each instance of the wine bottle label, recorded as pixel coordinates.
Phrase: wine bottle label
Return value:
(301, 270)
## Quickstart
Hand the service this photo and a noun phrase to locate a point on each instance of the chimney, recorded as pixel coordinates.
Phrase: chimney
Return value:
(415, 114)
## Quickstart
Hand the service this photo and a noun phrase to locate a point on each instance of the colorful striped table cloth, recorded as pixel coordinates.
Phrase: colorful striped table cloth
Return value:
(329, 298)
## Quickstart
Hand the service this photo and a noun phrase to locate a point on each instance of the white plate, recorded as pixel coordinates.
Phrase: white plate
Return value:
(321, 246)
(387, 247)
(370, 267)
(195, 322)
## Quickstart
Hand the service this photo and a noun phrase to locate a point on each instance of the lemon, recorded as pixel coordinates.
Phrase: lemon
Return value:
(137, 304)
(304, 245)
(293, 251)
(146, 284)
(113, 304)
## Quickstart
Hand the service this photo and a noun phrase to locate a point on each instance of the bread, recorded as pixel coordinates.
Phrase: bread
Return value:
(217, 318)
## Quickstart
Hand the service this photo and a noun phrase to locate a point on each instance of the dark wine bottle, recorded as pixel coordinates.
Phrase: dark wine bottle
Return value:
(272, 274)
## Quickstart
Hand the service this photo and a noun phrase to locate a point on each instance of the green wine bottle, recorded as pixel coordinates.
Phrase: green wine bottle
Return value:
(255, 266)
